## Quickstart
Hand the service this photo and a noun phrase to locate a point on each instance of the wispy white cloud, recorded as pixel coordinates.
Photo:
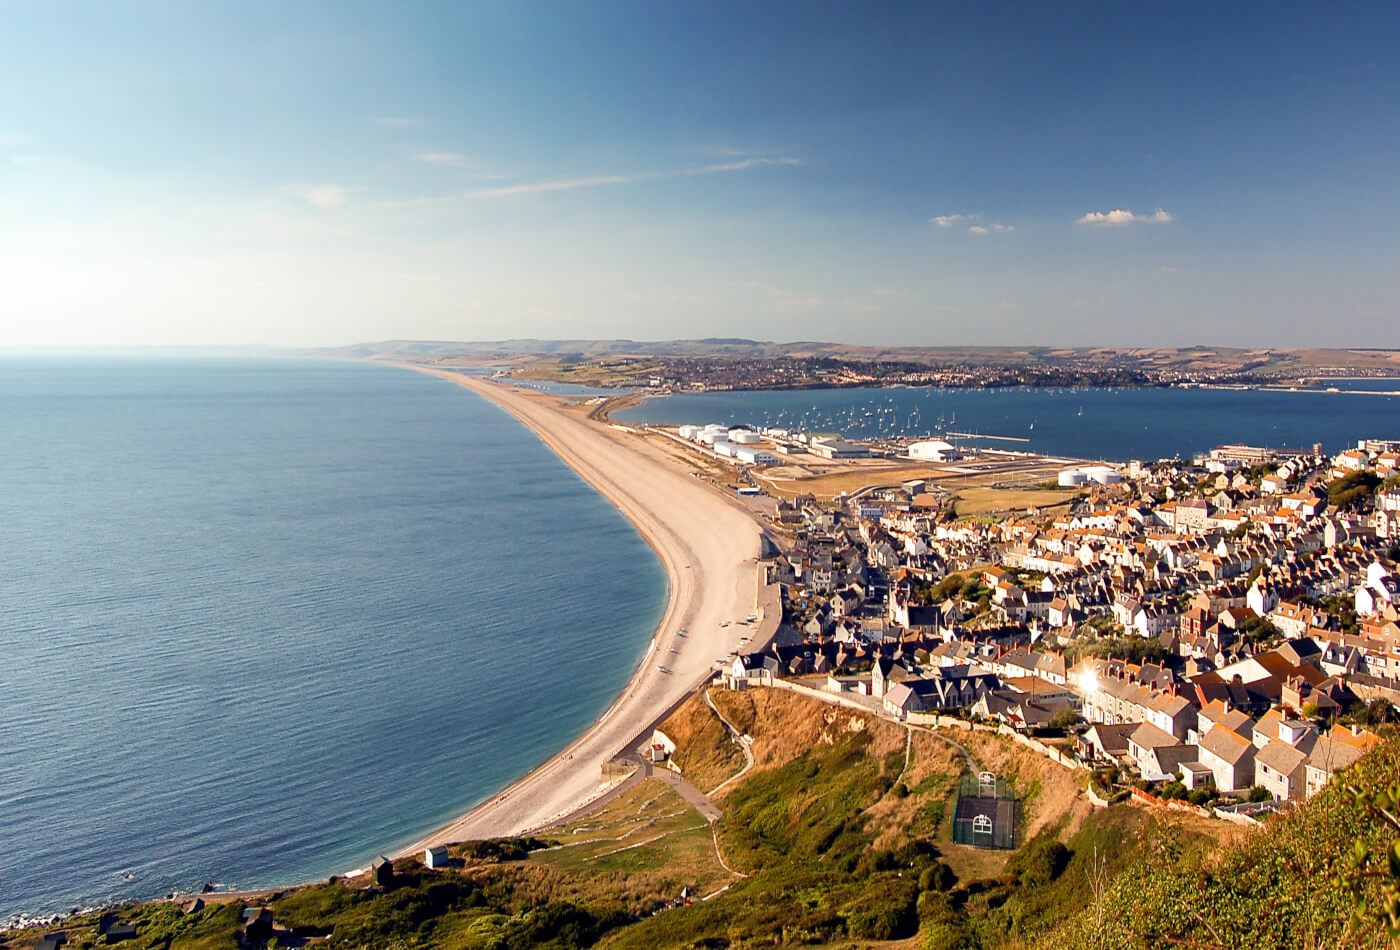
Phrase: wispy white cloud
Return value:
(1120, 216)
(590, 181)
(452, 159)
(949, 220)
(480, 170)
(536, 187)
(328, 195)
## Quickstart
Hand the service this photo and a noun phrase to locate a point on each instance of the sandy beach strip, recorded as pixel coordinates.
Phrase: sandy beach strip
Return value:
(708, 547)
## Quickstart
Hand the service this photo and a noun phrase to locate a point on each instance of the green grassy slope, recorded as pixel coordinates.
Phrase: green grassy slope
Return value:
(840, 837)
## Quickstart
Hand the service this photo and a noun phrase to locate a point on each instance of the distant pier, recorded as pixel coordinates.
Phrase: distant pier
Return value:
(998, 438)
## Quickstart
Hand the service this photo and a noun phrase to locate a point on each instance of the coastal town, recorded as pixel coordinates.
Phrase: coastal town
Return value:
(1222, 632)
(730, 364)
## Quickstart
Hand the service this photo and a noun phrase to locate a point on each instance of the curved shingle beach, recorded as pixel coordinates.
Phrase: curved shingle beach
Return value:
(708, 547)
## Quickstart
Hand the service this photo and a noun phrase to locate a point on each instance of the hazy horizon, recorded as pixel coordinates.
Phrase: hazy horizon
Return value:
(331, 174)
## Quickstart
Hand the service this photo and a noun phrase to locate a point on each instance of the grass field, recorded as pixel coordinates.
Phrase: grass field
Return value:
(646, 832)
(592, 373)
(828, 485)
(981, 501)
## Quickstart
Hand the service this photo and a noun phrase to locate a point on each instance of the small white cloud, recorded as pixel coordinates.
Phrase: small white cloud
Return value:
(321, 196)
(1121, 216)
(453, 159)
(997, 228)
(948, 220)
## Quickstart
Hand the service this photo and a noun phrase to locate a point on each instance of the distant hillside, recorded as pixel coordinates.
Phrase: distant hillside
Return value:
(1280, 363)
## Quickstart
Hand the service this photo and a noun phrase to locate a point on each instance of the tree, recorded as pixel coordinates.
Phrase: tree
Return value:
(1379, 712)
(1351, 491)
(1383, 868)
(1259, 630)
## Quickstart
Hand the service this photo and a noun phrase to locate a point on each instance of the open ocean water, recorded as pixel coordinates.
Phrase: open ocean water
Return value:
(1110, 424)
(261, 619)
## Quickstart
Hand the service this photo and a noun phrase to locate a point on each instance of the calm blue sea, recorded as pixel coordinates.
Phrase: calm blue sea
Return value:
(1116, 425)
(263, 618)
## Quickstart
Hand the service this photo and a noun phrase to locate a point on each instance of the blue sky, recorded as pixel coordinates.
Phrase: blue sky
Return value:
(309, 173)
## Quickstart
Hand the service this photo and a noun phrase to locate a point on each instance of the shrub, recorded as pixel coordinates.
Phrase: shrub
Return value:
(894, 917)
(940, 877)
(1040, 862)
(944, 926)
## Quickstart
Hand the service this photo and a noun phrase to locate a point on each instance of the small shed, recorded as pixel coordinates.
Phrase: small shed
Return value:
(257, 922)
(436, 857)
(381, 871)
(119, 932)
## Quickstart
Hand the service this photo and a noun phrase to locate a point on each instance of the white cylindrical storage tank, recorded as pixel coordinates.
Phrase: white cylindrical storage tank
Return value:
(689, 431)
(708, 437)
(744, 437)
(1072, 478)
(1102, 474)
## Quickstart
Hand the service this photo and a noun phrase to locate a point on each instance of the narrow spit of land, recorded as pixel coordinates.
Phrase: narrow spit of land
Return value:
(708, 548)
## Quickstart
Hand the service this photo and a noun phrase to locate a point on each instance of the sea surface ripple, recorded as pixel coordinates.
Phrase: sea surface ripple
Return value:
(263, 618)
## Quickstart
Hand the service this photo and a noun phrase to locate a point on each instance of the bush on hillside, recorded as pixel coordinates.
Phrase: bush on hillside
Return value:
(1039, 862)
(1284, 887)
(940, 877)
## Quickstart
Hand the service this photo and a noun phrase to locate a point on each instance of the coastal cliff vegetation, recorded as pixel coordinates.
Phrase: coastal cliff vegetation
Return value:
(840, 835)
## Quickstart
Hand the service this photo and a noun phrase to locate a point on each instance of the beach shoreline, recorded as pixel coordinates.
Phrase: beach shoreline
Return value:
(708, 548)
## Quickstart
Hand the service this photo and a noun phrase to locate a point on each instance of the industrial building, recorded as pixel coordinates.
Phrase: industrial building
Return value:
(838, 449)
(933, 450)
(753, 455)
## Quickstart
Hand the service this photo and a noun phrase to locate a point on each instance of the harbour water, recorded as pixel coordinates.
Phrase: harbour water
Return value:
(1114, 425)
(261, 619)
